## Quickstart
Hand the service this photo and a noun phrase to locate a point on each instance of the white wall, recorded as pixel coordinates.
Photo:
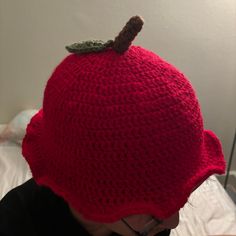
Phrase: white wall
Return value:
(198, 36)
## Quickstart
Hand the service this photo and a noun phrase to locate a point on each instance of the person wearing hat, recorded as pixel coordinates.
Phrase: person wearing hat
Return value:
(117, 147)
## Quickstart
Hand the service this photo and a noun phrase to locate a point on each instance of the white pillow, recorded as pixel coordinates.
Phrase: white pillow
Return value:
(15, 130)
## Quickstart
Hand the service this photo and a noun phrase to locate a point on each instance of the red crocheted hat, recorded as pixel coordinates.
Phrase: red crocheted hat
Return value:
(120, 132)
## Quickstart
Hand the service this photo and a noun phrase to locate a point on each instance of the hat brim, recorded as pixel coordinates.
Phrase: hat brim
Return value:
(211, 162)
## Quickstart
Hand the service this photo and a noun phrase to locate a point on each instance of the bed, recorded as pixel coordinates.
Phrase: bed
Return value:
(210, 212)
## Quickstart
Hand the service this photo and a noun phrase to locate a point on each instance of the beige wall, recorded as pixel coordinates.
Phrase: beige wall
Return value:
(198, 36)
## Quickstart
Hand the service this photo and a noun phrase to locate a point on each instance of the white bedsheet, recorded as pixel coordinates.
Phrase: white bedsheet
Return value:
(213, 212)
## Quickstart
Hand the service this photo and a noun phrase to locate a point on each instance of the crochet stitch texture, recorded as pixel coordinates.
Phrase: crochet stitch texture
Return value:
(121, 134)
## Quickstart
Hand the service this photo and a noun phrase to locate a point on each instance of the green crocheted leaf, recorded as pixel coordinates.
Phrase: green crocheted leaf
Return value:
(89, 46)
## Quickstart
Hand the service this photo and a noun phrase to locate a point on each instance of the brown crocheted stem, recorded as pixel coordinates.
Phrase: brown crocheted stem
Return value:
(127, 35)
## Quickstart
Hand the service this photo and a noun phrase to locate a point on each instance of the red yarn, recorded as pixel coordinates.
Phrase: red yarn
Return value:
(120, 135)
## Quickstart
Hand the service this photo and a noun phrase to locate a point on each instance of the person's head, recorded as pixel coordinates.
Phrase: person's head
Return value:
(120, 133)
(139, 224)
